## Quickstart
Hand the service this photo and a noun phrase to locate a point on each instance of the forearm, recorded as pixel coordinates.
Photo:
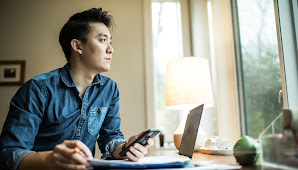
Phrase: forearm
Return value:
(38, 160)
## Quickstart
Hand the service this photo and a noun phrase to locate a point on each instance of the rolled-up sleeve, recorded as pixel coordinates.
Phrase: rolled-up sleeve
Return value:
(12, 159)
(110, 135)
(21, 125)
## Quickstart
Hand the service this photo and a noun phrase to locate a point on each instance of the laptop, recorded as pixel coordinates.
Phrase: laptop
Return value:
(190, 131)
(165, 161)
(188, 141)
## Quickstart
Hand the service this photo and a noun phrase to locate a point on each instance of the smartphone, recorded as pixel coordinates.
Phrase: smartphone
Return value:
(141, 140)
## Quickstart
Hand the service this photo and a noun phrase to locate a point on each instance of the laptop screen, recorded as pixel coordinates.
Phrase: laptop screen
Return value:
(190, 131)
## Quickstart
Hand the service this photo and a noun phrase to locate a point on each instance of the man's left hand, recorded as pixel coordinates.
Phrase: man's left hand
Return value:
(138, 151)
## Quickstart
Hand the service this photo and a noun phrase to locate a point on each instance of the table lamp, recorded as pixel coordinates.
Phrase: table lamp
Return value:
(188, 85)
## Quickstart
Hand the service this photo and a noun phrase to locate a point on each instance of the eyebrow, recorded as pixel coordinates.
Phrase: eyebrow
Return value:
(105, 35)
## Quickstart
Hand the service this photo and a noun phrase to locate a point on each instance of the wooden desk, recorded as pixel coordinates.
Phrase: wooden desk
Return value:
(217, 159)
(229, 159)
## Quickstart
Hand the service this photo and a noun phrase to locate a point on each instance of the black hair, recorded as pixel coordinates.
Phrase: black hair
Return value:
(77, 27)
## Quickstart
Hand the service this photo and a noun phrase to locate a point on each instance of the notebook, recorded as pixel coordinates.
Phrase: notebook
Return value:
(165, 161)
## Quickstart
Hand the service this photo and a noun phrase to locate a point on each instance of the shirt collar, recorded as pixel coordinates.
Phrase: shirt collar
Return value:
(68, 80)
(98, 79)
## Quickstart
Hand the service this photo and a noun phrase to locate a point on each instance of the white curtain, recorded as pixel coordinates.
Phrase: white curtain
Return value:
(212, 38)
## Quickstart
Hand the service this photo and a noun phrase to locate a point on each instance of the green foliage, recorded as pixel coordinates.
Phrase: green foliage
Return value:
(262, 83)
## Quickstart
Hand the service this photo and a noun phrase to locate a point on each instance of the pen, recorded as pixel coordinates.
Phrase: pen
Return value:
(77, 150)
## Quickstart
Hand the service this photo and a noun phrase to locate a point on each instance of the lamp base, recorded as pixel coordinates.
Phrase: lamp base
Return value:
(200, 141)
(177, 140)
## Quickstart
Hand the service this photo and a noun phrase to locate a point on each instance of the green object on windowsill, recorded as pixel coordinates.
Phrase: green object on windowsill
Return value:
(246, 151)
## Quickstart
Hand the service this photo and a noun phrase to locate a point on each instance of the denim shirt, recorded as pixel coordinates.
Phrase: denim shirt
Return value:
(47, 110)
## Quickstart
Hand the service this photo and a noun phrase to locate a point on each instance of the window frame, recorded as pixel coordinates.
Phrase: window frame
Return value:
(238, 68)
(287, 31)
(149, 66)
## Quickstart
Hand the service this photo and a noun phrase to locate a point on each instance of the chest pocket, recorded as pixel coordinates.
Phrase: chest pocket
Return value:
(96, 118)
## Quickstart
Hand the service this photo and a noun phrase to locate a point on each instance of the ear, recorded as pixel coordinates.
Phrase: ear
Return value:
(75, 45)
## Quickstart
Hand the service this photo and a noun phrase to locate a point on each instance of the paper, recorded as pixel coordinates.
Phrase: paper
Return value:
(125, 164)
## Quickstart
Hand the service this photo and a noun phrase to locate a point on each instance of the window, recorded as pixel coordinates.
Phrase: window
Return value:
(167, 45)
(266, 62)
(259, 67)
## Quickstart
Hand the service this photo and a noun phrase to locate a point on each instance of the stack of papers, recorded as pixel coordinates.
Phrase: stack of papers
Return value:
(146, 162)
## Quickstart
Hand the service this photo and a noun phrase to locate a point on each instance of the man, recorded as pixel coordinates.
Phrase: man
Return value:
(56, 112)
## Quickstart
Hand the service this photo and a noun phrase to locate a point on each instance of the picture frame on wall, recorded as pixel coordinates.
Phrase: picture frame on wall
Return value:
(12, 73)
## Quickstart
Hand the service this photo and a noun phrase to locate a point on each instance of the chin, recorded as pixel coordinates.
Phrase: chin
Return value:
(107, 69)
(104, 70)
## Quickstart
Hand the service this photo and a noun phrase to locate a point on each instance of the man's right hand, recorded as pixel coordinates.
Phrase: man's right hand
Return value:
(64, 156)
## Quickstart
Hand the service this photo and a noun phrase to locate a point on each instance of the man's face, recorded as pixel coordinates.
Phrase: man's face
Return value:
(97, 51)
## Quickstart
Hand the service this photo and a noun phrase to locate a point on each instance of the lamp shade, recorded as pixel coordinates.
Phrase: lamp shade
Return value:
(188, 83)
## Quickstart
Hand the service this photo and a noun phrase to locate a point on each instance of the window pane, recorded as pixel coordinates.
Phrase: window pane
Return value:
(260, 64)
(167, 46)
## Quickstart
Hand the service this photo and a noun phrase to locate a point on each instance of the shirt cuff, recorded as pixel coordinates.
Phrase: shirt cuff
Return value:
(111, 146)
(17, 156)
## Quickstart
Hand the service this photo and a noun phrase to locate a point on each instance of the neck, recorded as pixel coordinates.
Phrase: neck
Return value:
(82, 77)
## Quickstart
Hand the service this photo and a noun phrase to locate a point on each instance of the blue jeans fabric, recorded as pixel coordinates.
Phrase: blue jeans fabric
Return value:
(47, 110)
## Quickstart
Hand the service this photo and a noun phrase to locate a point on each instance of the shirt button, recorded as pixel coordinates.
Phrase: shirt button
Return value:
(83, 111)
(98, 111)
(79, 130)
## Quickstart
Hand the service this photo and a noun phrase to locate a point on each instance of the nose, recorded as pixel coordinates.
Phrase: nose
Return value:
(110, 49)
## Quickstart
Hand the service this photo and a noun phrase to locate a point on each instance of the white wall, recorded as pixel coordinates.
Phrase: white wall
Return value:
(29, 31)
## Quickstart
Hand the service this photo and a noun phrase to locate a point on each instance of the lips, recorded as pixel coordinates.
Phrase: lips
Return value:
(108, 59)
